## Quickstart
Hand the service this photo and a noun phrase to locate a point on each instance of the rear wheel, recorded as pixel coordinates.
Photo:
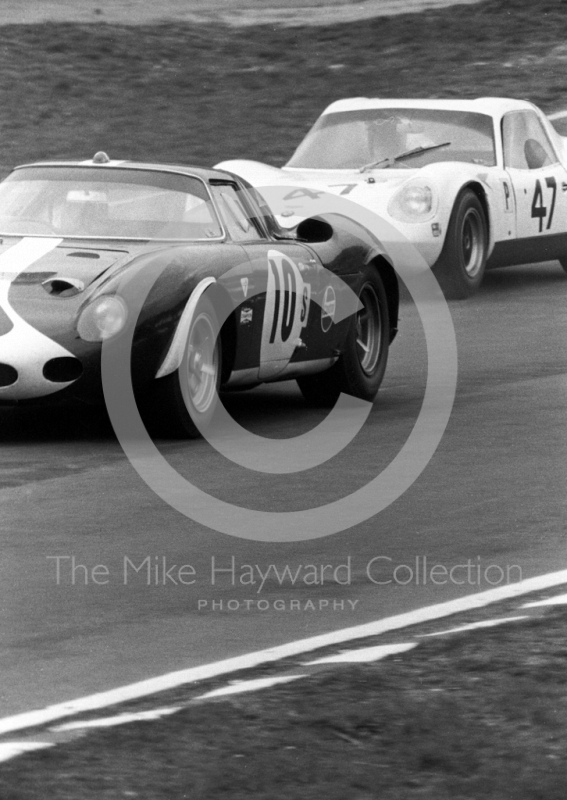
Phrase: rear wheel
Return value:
(191, 392)
(361, 366)
(461, 265)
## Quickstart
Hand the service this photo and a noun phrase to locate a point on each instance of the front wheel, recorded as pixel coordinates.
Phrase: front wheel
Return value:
(190, 393)
(460, 267)
(362, 363)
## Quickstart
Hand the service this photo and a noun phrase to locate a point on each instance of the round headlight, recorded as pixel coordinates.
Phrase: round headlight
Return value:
(416, 200)
(413, 203)
(102, 319)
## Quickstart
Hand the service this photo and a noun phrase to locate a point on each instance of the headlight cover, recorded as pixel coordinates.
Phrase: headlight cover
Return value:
(414, 202)
(102, 319)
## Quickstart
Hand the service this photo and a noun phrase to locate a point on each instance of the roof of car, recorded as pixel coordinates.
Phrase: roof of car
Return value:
(481, 105)
(200, 172)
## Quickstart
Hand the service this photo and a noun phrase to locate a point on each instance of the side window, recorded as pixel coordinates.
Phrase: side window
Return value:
(237, 220)
(526, 145)
(266, 215)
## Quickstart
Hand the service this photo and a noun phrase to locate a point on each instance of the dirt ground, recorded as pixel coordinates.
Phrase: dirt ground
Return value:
(228, 12)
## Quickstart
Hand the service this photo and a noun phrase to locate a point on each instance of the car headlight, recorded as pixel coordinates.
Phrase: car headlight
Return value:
(413, 203)
(102, 319)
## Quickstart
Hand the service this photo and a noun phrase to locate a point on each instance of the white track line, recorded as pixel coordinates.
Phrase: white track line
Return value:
(487, 623)
(224, 12)
(364, 654)
(133, 691)
(248, 686)
(560, 600)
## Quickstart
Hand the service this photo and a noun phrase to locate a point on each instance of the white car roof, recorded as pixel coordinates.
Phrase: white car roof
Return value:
(494, 106)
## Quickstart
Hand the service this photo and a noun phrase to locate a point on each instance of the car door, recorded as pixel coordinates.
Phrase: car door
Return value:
(291, 303)
(285, 278)
(539, 183)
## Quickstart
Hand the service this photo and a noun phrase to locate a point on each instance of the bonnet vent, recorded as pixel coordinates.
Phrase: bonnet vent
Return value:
(83, 255)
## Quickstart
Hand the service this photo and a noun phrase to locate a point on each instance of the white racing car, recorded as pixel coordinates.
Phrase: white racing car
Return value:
(471, 183)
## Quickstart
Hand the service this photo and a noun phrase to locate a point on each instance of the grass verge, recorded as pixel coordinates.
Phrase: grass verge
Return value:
(481, 714)
(177, 92)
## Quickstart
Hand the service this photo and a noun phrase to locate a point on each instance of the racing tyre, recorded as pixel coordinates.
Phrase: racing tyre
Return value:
(195, 384)
(362, 363)
(460, 267)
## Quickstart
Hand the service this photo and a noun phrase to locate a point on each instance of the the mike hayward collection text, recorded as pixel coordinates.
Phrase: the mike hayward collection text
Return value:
(379, 570)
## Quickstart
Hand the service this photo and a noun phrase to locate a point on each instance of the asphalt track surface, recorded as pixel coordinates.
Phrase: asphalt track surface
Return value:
(494, 494)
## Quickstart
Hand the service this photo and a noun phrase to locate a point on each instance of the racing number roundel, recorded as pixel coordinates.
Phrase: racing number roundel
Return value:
(328, 308)
(285, 313)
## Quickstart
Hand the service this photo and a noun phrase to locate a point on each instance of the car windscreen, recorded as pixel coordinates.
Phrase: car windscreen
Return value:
(352, 139)
(106, 202)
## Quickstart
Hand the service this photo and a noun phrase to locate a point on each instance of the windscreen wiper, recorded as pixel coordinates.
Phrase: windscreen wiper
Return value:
(416, 151)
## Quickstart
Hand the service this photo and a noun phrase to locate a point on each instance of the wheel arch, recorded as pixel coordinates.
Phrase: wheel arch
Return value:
(478, 189)
(452, 267)
(174, 354)
(392, 288)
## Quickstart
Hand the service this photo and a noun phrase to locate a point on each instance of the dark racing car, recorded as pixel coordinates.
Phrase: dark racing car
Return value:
(230, 299)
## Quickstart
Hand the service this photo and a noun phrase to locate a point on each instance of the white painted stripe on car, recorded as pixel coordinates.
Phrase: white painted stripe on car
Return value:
(487, 623)
(13, 749)
(558, 600)
(365, 654)
(248, 686)
(24, 348)
(29, 719)
(119, 719)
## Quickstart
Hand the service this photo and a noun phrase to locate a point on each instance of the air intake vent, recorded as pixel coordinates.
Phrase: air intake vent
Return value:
(63, 287)
(8, 375)
(63, 370)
